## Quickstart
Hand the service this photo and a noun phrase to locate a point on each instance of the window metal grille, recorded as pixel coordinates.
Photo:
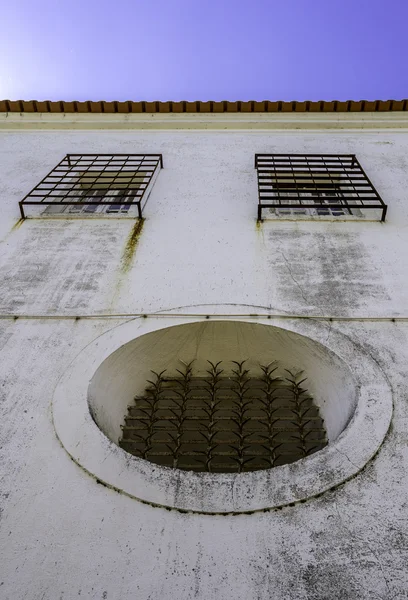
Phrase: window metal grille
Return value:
(326, 185)
(224, 423)
(90, 183)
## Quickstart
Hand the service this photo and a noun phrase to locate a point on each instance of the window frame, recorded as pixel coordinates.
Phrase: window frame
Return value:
(68, 184)
(287, 176)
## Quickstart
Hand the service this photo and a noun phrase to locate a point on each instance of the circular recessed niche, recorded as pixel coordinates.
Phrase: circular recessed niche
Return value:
(239, 419)
(91, 408)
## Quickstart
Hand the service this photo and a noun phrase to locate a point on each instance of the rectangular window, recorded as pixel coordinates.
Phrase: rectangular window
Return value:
(309, 185)
(96, 184)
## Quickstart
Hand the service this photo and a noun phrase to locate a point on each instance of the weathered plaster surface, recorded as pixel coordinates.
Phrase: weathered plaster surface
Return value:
(204, 200)
(63, 535)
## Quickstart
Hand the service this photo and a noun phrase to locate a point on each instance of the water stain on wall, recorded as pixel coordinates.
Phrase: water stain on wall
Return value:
(328, 271)
(131, 244)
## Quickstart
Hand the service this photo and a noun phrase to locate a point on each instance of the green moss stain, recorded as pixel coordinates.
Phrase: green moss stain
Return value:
(17, 225)
(260, 231)
(126, 261)
(131, 244)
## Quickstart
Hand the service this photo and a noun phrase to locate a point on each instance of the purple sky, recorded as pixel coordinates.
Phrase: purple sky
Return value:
(205, 49)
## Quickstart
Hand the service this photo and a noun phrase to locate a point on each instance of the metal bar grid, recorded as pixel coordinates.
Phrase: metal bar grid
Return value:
(96, 179)
(309, 181)
(222, 423)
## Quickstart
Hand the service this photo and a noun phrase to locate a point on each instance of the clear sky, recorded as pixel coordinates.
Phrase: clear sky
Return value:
(204, 49)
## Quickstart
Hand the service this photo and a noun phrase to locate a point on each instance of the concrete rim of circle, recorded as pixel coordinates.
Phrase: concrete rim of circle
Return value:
(221, 493)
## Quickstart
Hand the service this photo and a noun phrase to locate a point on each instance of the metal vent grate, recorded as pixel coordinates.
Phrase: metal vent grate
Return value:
(88, 181)
(224, 424)
(323, 185)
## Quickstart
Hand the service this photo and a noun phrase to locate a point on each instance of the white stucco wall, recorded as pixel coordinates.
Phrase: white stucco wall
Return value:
(63, 535)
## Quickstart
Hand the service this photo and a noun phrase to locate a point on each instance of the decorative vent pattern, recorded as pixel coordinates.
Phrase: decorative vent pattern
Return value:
(323, 185)
(224, 424)
(84, 182)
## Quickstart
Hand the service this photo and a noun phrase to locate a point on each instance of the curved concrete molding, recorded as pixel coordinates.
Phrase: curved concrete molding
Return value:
(360, 382)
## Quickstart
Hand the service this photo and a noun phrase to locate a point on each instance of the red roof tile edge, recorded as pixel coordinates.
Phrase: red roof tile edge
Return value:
(224, 106)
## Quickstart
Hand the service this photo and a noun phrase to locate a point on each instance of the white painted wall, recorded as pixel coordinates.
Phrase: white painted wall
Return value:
(65, 536)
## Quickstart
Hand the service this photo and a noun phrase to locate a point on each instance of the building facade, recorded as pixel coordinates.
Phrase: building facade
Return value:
(166, 260)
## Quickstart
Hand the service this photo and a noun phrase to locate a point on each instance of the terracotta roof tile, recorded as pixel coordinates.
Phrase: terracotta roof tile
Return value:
(128, 106)
(205, 107)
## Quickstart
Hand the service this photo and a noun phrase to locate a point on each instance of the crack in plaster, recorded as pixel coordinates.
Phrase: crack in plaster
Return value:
(293, 278)
(349, 459)
(302, 293)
